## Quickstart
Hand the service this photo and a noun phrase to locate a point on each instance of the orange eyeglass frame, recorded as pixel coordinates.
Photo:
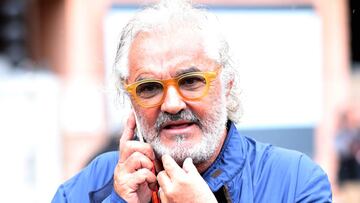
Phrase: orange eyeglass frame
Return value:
(209, 76)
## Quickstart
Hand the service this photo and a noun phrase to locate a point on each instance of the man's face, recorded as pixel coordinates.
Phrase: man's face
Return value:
(178, 127)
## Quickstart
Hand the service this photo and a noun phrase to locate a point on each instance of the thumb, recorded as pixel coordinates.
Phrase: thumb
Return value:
(162, 196)
(188, 166)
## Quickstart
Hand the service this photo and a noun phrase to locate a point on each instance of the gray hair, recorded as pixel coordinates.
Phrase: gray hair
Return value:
(172, 13)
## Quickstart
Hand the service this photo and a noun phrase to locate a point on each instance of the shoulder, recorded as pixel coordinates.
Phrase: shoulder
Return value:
(103, 163)
(93, 177)
(261, 154)
(302, 177)
(289, 161)
(312, 182)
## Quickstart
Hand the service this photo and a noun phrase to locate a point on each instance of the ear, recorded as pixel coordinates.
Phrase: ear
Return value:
(229, 86)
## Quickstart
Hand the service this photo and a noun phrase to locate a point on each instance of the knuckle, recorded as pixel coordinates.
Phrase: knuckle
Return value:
(139, 177)
(133, 159)
(181, 181)
(170, 193)
(124, 147)
(118, 169)
(120, 181)
(120, 172)
(127, 145)
(143, 172)
(137, 156)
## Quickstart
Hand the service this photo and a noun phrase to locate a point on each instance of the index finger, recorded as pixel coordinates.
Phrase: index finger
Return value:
(129, 130)
(171, 167)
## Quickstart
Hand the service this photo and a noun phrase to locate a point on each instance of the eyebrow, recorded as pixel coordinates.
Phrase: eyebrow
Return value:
(140, 77)
(177, 74)
(187, 70)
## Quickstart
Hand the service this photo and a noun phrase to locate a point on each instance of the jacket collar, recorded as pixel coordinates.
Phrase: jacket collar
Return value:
(229, 162)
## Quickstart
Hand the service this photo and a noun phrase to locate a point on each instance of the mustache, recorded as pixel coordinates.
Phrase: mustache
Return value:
(184, 114)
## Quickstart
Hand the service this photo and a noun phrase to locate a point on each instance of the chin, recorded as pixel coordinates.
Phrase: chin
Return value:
(185, 142)
(180, 150)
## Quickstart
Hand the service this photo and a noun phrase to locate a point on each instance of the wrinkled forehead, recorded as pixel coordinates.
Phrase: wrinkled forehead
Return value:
(166, 43)
(171, 46)
(167, 49)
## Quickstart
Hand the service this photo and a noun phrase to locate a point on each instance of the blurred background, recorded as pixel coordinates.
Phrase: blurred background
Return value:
(300, 73)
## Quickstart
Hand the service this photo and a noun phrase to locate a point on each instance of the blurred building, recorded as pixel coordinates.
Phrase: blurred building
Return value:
(54, 86)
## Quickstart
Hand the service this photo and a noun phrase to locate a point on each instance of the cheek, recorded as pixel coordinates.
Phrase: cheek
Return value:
(200, 108)
(205, 106)
(148, 115)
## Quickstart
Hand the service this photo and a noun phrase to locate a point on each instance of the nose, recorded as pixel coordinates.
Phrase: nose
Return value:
(173, 102)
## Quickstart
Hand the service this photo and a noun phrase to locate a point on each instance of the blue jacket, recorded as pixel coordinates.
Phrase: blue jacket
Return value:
(247, 170)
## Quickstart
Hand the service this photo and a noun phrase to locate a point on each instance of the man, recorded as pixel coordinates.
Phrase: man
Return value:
(175, 67)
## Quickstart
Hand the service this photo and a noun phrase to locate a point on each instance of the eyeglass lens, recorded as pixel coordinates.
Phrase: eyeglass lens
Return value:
(192, 87)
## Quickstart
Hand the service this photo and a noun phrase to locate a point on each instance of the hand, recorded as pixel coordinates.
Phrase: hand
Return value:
(182, 184)
(133, 178)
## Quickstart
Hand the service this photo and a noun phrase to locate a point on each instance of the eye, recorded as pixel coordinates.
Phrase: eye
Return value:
(148, 90)
(192, 83)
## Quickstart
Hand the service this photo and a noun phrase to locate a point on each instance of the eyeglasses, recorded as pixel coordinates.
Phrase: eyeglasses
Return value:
(191, 86)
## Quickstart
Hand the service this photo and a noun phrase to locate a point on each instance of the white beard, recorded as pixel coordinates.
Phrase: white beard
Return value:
(212, 126)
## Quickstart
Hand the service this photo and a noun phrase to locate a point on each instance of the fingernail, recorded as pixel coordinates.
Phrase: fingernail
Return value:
(188, 159)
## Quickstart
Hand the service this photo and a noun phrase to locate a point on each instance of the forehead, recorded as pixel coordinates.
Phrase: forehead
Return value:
(164, 51)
